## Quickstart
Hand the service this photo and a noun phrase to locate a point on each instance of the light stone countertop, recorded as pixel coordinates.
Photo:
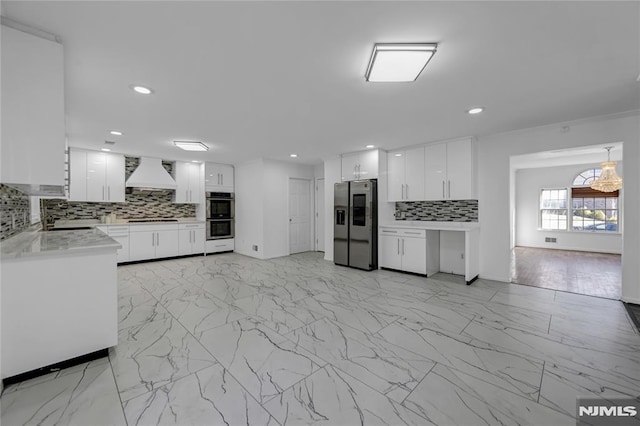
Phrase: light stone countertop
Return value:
(431, 225)
(38, 243)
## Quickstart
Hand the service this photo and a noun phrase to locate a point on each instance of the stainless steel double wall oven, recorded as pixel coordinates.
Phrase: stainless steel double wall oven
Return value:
(220, 215)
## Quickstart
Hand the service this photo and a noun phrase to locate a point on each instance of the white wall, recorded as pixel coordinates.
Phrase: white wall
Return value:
(275, 187)
(262, 206)
(249, 208)
(496, 208)
(529, 182)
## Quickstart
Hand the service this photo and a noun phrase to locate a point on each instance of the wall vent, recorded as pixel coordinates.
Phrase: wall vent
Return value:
(549, 239)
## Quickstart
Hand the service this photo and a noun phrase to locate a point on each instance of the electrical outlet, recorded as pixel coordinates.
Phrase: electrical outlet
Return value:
(254, 247)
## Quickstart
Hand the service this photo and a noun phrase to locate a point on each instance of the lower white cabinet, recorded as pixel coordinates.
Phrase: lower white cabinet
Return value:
(410, 250)
(153, 241)
(120, 233)
(192, 236)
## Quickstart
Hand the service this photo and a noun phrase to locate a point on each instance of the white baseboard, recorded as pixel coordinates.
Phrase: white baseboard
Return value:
(634, 300)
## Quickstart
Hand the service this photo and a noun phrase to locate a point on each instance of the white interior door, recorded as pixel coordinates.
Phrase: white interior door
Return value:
(299, 215)
(320, 214)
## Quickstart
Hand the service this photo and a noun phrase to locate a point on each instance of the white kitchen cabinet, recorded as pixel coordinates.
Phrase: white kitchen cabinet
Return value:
(188, 179)
(153, 241)
(96, 176)
(360, 165)
(77, 175)
(409, 250)
(120, 233)
(449, 170)
(406, 175)
(218, 177)
(192, 238)
(32, 152)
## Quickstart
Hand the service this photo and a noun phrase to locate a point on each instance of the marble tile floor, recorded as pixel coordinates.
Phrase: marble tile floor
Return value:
(230, 340)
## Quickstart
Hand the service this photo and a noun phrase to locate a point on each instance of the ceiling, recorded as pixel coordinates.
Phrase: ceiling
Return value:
(267, 79)
(592, 154)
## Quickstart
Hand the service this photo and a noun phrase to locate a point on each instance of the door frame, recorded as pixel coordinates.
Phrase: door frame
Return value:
(316, 217)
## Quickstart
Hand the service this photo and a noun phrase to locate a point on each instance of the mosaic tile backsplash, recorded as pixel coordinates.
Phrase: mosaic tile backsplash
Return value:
(136, 206)
(14, 211)
(438, 211)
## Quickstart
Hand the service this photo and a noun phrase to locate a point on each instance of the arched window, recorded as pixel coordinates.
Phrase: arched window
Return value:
(586, 177)
(593, 210)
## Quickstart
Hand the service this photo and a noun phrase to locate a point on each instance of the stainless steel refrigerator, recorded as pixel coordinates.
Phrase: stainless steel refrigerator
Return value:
(355, 224)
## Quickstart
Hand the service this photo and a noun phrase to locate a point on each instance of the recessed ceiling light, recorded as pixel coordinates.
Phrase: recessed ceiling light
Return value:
(141, 89)
(476, 110)
(106, 149)
(398, 155)
(116, 132)
(369, 146)
(191, 146)
(398, 62)
(293, 155)
(194, 161)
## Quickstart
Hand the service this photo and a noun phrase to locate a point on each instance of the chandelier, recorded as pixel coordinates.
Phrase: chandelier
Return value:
(608, 181)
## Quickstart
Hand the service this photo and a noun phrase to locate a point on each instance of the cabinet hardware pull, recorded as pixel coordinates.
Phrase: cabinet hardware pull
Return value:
(158, 238)
(403, 247)
(442, 189)
(153, 239)
(406, 191)
(103, 192)
(222, 178)
(449, 184)
(109, 192)
(398, 245)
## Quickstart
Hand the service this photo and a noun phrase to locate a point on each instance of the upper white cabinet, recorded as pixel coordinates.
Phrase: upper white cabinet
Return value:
(96, 176)
(189, 181)
(33, 128)
(360, 165)
(218, 177)
(449, 170)
(406, 175)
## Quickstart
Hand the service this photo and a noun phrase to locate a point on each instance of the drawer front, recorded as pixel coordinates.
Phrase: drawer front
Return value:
(153, 227)
(214, 246)
(118, 230)
(404, 232)
(200, 225)
(414, 233)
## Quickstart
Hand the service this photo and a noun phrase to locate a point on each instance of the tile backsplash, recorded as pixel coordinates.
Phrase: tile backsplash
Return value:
(136, 206)
(15, 211)
(438, 211)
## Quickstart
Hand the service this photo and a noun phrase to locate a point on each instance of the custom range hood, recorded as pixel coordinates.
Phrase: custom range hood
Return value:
(150, 176)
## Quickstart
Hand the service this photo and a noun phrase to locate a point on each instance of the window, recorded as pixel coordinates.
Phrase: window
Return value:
(593, 210)
(553, 209)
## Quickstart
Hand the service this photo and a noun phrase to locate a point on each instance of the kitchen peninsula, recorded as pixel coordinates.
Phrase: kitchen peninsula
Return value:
(59, 299)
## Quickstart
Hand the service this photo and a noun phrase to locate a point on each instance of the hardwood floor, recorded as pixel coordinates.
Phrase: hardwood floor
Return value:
(592, 274)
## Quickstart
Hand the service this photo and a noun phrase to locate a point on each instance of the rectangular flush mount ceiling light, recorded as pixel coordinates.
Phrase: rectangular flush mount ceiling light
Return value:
(191, 146)
(399, 62)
